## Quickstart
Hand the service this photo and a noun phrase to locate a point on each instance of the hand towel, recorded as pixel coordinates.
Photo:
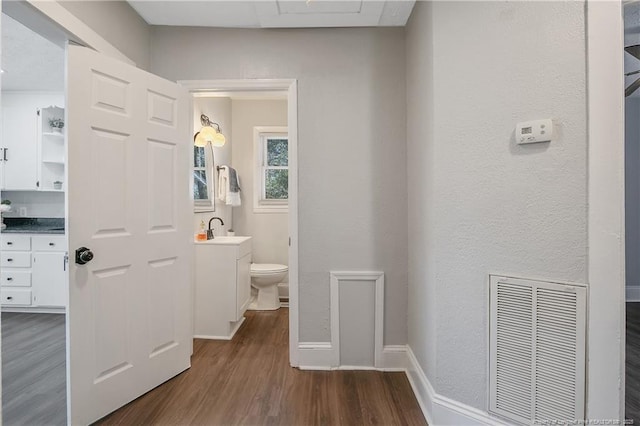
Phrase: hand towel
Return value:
(229, 186)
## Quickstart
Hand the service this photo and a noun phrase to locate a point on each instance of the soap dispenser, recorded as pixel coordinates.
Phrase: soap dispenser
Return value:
(202, 234)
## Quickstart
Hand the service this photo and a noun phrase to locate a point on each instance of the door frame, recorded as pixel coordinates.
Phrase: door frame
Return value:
(291, 87)
(606, 210)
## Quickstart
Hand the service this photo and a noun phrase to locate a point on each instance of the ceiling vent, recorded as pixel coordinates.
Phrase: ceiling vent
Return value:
(537, 350)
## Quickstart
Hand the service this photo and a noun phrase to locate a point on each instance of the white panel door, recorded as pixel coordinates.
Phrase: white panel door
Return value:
(128, 202)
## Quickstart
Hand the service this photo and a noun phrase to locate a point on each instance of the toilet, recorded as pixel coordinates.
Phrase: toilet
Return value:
(265, 278)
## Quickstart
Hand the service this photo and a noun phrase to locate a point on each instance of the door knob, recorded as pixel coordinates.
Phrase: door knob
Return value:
(83, 255)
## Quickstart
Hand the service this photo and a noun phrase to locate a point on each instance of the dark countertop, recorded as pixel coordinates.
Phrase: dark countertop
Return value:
(30, 225)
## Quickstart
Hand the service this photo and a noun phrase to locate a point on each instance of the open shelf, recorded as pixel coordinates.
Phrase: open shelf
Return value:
(52, 151)
(54, 135)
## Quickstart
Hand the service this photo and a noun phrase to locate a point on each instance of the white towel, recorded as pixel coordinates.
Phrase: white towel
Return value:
(224, 187)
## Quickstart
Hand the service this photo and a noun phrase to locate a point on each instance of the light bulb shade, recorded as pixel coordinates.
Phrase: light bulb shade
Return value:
(209, 135)
(199, 140)
(219, 140)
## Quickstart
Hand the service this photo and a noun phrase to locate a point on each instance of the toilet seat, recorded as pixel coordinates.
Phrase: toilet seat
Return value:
(267, 268)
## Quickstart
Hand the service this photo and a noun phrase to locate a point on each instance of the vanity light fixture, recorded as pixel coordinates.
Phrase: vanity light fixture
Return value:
(210, 133)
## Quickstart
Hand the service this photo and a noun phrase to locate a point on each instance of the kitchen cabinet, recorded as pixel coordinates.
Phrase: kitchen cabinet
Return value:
(49, 271)
(18, 150)
(15, 264)
(34, 271)
(223, 286)
(32, 154)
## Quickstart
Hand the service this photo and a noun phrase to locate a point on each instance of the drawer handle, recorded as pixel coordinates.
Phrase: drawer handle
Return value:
(9, 243)
(52, 244)
(9, 260)
(9, 297)
(10, 279)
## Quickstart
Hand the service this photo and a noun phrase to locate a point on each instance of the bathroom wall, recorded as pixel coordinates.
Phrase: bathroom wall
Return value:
(478, 203)
(218, 109)
(270, 231)
(352, 155)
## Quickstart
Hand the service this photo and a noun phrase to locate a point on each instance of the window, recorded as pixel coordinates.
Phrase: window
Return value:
(271, 191)
(202, 186)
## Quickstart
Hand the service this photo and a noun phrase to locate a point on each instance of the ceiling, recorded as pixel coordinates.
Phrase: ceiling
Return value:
(275, 13)
(30, 62)
(33, 63)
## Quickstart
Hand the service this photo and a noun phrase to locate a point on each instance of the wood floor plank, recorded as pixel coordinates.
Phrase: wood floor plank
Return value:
(248, 381)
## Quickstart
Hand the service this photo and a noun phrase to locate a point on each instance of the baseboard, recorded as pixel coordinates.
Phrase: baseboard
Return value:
(394, 358)
(315, 356)
(320, 356)
(229, 337)
(438, 409)
(34, 310)
(632, 293)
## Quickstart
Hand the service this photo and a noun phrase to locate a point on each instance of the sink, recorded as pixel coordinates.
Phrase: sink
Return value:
(235, 240)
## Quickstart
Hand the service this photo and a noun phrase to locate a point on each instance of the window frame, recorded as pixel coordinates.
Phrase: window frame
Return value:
(207, 205)
(261, 134)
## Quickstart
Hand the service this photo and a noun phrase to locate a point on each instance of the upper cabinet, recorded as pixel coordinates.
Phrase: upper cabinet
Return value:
(18, 150)
(32, 152)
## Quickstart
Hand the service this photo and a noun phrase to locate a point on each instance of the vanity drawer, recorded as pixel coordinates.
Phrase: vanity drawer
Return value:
(17, 296)
(15, 242)
(15, 278)
(49, 243)
(15, 259)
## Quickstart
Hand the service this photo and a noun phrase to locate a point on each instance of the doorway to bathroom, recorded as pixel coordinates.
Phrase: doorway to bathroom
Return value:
(258, 119)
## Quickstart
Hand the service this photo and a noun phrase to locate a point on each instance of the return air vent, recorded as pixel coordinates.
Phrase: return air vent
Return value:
(537, 350)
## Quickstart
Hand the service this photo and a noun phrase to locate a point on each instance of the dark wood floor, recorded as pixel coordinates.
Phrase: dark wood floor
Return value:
(632, 380)
(33, 369)
(248, 381)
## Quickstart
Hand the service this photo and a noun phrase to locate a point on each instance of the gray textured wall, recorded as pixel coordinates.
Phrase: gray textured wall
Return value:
(352, 152)
(478, 203)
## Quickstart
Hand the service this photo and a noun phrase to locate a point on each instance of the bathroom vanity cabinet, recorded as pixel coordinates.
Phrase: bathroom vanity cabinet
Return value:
(222, 286)
(34, 272)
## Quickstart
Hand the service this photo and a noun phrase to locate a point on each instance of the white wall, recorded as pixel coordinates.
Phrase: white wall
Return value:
(118, 23)
(219, 111)
(269, 231)
(478, 203)
(352, 181)
(421, 187)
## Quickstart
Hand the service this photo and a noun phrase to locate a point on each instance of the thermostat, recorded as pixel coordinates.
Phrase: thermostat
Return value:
(534, 131)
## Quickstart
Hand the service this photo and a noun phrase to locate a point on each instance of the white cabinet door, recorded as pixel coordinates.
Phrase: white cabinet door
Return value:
(49, 279)
(19, 143)
(130, 308)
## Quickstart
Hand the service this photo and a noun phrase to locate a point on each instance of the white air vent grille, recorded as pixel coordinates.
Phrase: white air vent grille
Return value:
(537, 350)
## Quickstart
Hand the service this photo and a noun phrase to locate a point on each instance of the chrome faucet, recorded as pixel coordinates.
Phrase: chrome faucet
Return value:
(210, 230)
